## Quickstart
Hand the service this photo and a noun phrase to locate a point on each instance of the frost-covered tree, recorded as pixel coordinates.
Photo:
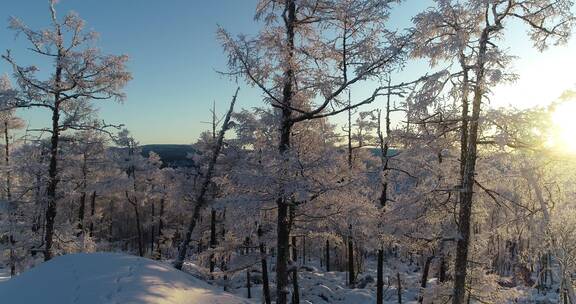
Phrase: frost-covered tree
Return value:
(469, 32)
(201, 197)
(80, 74)
(305, 58)
(8, 122)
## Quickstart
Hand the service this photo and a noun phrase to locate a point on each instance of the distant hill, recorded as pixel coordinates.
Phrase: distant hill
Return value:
(171, 155)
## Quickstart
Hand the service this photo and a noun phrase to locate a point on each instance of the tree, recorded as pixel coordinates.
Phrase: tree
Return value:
(296, 63)
(81, 74)
(468, 32)
(139, 172)
(8, 121)
(201, 197)
(89, 146)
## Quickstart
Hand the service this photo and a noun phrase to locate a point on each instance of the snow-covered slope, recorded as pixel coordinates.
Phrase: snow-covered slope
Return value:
(109, 278)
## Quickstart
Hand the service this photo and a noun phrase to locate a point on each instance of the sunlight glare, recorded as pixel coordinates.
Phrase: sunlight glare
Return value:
(564, 120)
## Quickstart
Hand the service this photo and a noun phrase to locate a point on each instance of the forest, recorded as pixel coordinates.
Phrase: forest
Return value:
(343, 184)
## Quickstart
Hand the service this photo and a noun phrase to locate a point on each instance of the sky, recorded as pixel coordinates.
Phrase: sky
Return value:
(174, 59)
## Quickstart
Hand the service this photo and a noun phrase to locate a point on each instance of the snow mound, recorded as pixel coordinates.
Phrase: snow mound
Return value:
(109, 278)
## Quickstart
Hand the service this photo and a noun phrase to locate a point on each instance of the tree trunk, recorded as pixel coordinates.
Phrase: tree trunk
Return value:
(92, 212)
(201, 198)
(464, 128)
(11, 239)
(52, 175)
(304, 250)
(138, 227)
(294, 250)
(466, 194)
(349, 133)
(283, 229)
(296, 288)
(384, 147)
(424, 279)
(160, 239)
(248, 284)
(82, 207)
(399, 288)
(442, 270)
(282, 252)
(212, 238)
(53, 180)
(7, 160)
(264, 263)
(351, 273)
(111, 218)
(81, 212)
(152, 230)
(380, 278)
(327, 255)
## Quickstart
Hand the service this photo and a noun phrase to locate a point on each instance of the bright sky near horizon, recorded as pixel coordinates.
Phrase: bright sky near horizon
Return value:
(174, 56)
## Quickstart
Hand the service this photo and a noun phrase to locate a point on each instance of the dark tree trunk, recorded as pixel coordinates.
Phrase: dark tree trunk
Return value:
(7, 161)
(294, 250)
(424, 279)
(466, 194)
(53, 180)
(82, 207)
(11, 238)
(12, 255)
(384, 147)
(52, 175)
(138, 228)
(81, 212)
(380, 278)
(349, 133)
(152, 230)
(351, 273)
(327, 255)
(263, 261)
(304, 250)
(92, 212)
(464, 128)
(212, 238)
(248, 284)
(399, 288)
(160, 239)
(282, 252)
(111, 218)
(442, 270)
(295, 287)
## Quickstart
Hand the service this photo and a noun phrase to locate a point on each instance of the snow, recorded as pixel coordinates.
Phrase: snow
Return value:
(4, 274)
(320, 287)
(109, 278)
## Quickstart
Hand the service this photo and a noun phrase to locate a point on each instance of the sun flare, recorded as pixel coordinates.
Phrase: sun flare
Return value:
(564, 121)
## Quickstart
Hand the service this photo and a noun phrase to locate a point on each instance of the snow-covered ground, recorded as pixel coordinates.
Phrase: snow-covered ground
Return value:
(118, 278)
(320, 287)
(109, 278)
(4, 274)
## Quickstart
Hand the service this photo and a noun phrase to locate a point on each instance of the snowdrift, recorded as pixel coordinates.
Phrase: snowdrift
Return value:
(101, 278)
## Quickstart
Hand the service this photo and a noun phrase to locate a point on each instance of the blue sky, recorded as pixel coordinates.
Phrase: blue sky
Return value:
(174, 55)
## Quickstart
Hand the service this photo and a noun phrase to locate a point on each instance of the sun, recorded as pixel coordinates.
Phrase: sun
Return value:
(564, 123)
